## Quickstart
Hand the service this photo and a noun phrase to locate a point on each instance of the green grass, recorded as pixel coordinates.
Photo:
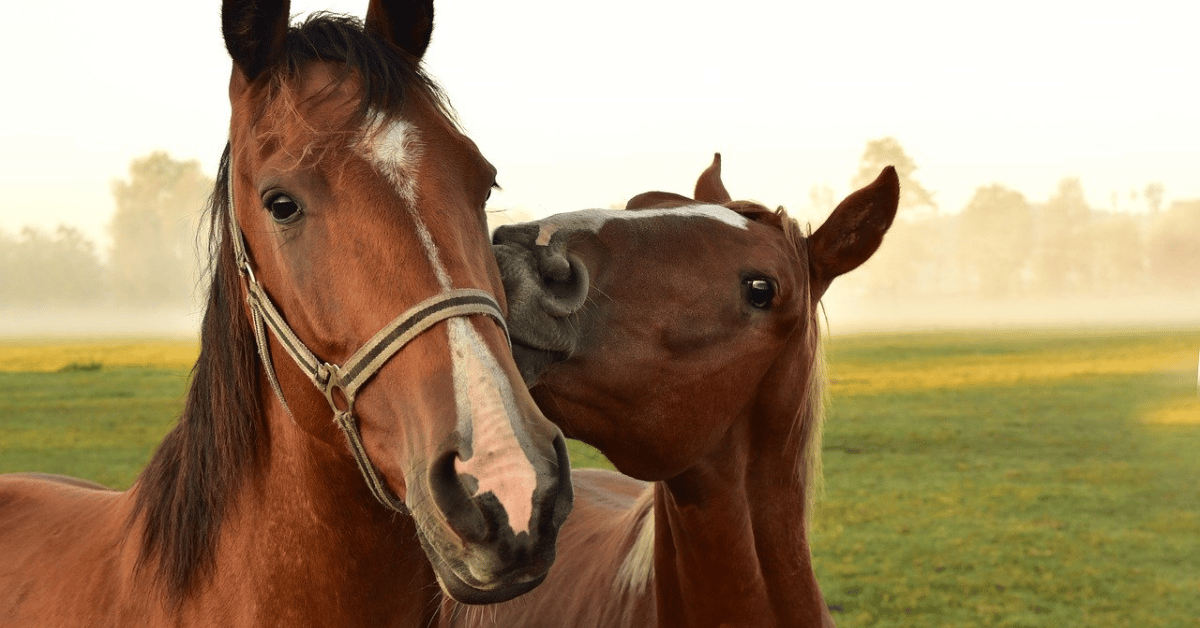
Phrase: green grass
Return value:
(100, 424)
(991, 479)
(1036, 490)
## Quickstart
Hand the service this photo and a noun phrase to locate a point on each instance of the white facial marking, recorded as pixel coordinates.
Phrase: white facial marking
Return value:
(394, 148)
(431, 249)
(593, 219)
(486, 408)
(484, 399)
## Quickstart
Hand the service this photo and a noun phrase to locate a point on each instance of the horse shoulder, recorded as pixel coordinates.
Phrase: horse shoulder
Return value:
(609, 542)
(61, 539)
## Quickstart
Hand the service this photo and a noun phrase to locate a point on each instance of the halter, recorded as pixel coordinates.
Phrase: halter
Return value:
(340, 384)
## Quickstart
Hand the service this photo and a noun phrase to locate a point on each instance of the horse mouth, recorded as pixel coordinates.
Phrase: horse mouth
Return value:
(458, 580)
(467, 590)
(532, 361)
(493, 564)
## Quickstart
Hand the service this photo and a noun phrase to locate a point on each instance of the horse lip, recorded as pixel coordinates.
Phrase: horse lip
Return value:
(465, 591)
(532, 360)
(533, 346)
(455, 578)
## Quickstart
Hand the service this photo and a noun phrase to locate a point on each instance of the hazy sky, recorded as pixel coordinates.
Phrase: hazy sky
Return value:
(584, 107)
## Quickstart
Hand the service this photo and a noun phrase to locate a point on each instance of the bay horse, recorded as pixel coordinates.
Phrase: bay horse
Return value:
(681, 338)
(356, 437)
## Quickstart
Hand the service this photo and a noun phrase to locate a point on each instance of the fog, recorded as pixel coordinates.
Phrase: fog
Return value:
(1003, 260)
(848, 315)
(68, 322)
(1054, 144)
(844, 313)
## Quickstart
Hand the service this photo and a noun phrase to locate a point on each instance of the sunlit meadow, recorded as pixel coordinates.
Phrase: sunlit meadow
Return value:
(1015, 478)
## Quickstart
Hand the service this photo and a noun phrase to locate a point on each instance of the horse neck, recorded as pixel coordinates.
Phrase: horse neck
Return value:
(311, 542)
(731, 542)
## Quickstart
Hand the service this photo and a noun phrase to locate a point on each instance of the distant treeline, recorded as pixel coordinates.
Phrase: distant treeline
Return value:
(1003, 245)
(1000, 245)
(153, 261)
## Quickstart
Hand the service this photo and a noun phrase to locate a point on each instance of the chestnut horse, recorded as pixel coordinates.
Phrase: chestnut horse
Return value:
(355, 432)
(682, 340)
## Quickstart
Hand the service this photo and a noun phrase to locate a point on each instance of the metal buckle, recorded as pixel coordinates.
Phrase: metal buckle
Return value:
(327, 382)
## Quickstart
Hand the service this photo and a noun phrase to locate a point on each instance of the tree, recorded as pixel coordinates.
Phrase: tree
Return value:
(49, 269)
(822, 200)
(1154, 197)
(1063, 255)
(905, 264)
(885, 152)
(154, 230)
(995, 236)
(910, 262)
(1119, 264)
(1175, 248)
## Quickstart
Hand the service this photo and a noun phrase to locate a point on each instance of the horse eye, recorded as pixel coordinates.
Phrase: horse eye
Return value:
(760, 293)
(283, 209)
(495, 186)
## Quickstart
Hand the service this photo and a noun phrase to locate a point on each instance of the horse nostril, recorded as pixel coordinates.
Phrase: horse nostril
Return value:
(565, 284)
(452, 495)
(566, 494)
(555, 268)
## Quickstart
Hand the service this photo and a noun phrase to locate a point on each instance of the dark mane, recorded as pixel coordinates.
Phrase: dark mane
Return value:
(807, 431)
(810, 416)
(185, 491)
(387, 74)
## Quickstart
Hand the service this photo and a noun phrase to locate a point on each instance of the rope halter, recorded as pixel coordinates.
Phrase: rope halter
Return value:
(340, 383)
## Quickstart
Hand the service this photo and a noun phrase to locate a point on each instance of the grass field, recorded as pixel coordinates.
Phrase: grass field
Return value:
(1013, 480)
(996, 479)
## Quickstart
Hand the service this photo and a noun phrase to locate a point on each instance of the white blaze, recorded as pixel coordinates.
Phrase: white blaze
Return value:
(593, 219)
(394, 148)
(483, 394)
(486, 407)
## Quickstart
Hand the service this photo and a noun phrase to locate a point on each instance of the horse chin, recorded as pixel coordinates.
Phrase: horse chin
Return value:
(457, 587)
(532, 361)
(457, 580)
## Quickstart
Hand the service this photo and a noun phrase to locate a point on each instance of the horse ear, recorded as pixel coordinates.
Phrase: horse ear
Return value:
(407, 24)
(254, 32)
(709, 187)
(854, 230)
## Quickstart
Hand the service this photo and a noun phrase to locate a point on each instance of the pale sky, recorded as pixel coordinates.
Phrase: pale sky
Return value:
(584, 105)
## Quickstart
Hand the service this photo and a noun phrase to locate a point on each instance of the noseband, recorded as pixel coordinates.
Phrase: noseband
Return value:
(340, 384)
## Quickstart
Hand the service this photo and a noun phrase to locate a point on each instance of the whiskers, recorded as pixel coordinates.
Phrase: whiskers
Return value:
(455, 613)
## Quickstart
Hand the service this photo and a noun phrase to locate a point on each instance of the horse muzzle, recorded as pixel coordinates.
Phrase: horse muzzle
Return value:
(487, 551)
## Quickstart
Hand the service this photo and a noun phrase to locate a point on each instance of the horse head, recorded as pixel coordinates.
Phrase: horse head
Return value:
(356, 211)
(649, 332)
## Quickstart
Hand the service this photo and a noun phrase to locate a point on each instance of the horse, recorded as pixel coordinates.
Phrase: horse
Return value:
(681, 338)
(356, 439)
